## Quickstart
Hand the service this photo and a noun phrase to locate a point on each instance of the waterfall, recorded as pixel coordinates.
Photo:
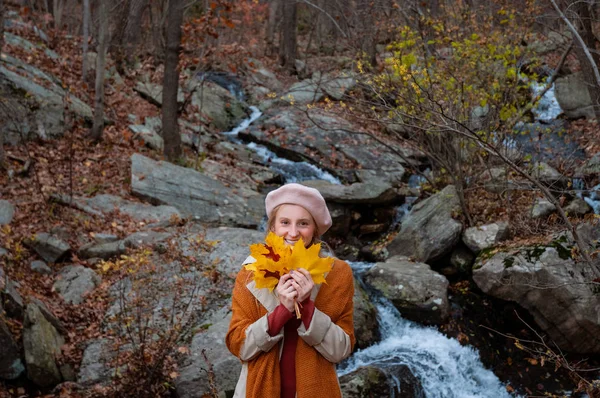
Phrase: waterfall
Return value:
(445, 368)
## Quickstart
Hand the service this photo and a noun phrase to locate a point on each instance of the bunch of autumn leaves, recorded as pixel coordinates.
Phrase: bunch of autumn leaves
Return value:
(275, 258)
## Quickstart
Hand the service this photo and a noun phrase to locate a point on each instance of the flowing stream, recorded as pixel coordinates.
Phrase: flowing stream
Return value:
(445, 368)
(291, 171)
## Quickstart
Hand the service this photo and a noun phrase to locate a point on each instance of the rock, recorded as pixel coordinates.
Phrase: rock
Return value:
(104, 251)
(328, 142)
(389, 381)
(192, 381)
(7, 212)
(428, 232)
(141, 212)
(12, 300)
(552, 287)
(37, 108)
(258, 74)
(95, 367)
(337, 86)
(347, 252)
(195, 194)
(462, 259)
(366, 326)
(223, 109)
(548, 176)
(302, 93)
(419, 293)
(591, 167)
(49, 315)
(146, 238)
(151, 138)
(49, 247)
(577, 207)
(153, 92)
(74, 282)
(40, 267)
(28, 46)
(3, 253)
(42, 344)
(573, 97)
(485, 236)
(11, 366)
(230, 247)
(105, 238)
(496, 181)
(542, 208)
(375, 192)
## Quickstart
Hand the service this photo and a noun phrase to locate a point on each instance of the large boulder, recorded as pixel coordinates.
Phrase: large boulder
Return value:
(429, 231)
(223, 109)
(370, 192)
(485, 236)
(195, 194)
(49, 247)
(573, 96)
(36, 101)
(552, 287)
(141, 212)
(11, 365)
(419, 293)
(381, 381)
(74, 282)
(42, 345)
(332, 144)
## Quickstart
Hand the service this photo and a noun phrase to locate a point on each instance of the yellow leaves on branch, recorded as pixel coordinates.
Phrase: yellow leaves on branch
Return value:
(275, 258)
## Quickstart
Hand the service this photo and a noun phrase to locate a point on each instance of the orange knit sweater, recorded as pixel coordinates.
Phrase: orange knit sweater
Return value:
(315, 375)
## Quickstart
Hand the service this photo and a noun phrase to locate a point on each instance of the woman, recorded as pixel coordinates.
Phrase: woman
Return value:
(283, 356)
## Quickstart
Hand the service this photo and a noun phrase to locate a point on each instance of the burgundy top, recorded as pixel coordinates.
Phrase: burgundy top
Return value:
(279, 318)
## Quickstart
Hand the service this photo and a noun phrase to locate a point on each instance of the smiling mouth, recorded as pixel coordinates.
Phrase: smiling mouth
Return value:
(291, 242)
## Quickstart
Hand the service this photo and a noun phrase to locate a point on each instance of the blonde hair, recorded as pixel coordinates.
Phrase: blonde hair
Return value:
(316, 239)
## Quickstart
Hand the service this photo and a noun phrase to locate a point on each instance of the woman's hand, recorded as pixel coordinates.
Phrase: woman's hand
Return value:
(286, 292)
(302, 282)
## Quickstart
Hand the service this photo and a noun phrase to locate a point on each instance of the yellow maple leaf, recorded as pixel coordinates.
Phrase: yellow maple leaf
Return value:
(272, 258)
(275, 258)
(309, 259)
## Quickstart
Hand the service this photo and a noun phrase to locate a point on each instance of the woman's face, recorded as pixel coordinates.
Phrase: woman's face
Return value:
(293, 222)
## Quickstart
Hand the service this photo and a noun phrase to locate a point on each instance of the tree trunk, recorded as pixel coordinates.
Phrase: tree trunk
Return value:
(86, 35)
(274, 17)
(289, 47)
(2, 154)
(98, 126)
(585, 29)
(367, 30)
(133, 28)
(171, 137)
(57, 12)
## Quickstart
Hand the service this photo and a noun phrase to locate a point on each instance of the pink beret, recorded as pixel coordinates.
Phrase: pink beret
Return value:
(309, 198)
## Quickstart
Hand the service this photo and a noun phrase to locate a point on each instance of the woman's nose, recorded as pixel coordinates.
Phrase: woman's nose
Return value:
(293, 231)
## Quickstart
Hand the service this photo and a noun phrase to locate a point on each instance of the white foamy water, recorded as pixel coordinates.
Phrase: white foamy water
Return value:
(256, 113)
(445, 368)
(292, 171)
(547, 108)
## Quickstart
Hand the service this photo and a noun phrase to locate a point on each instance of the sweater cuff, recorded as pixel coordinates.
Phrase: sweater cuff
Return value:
(277, 319)
(308, 309)
(315, 333)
